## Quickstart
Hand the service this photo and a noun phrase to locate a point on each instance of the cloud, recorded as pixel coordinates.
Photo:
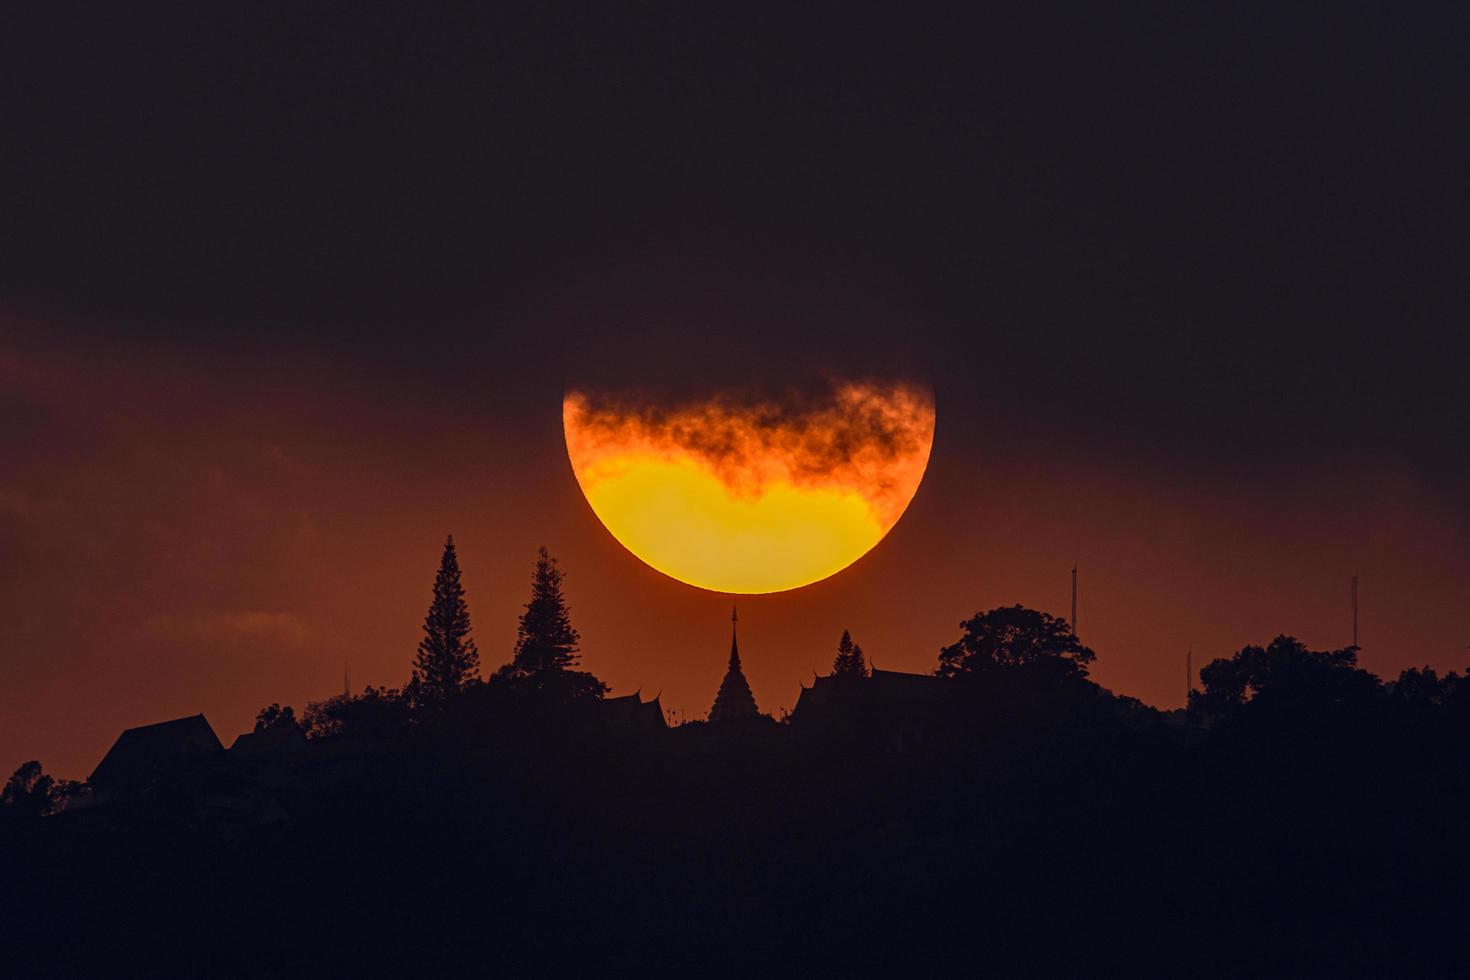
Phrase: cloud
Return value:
(279, 627)
(865, 435)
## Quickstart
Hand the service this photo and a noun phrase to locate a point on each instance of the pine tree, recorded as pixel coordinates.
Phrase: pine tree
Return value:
(447, 661)
(545, 639)
(849, 661)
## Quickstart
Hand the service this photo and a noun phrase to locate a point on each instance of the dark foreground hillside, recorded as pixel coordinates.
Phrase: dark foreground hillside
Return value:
(1031, 830)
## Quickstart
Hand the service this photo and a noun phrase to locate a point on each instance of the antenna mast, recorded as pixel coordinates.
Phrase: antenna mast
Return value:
(1188, 675)
(346, 681)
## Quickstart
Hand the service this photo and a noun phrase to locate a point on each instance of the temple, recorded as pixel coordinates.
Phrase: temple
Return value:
(632, 713)
(896, 710)
(734, 702)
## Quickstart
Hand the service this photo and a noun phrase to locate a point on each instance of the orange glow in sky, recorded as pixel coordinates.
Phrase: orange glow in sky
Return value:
(746, 497)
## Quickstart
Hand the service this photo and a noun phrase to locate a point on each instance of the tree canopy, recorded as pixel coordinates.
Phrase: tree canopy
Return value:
(273, 716)
(1013, 638)
(1283, 677)
(374, 711)
(29, 792)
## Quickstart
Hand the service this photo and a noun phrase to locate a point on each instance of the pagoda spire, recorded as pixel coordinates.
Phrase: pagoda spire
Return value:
(734, 646)
(734, 701)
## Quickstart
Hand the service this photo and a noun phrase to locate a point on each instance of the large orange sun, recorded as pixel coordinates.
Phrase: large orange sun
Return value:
(739, 495)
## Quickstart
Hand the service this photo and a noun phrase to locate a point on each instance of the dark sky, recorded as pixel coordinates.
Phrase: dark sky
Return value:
(286, 295)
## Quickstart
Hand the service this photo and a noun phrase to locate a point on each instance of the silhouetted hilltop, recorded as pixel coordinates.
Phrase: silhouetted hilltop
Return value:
(1005, 815)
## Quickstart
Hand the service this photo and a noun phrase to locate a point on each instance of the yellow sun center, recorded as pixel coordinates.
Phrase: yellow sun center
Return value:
(752, 499)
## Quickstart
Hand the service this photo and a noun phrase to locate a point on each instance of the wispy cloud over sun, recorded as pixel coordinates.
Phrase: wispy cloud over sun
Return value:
(748, 494)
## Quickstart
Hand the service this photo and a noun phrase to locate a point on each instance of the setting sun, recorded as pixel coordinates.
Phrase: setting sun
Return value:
(749, 498)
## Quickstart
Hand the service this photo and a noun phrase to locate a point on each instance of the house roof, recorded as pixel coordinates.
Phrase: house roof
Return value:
(141, 752)
(281, 738)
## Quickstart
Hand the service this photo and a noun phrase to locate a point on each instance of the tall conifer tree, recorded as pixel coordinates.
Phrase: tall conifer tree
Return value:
(447, 660)
(545, 639)
(849, 661)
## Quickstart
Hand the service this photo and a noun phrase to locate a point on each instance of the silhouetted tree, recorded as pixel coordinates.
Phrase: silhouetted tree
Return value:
(447, 660)
(275, 716)
(316, 719)
(376, 710)
(1014, 638)
(849, 663)
(1424, 689)
(547, 686)
(1283, 678)
(545, 638)
(29, 792)
(546, 643)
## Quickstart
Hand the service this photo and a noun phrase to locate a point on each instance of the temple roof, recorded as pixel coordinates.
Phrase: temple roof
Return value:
(887, 687)
(631, 711)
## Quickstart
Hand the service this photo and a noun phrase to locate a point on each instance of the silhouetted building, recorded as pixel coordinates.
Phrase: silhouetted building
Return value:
(633, 713)
(141, 755)
(270, 755)
(734, 701)
(901, 709)
(281, 739)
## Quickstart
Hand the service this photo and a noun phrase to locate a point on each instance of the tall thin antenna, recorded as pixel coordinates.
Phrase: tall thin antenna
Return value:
(1074, 600)
(1355, 610)
(1188, 674)
(346, 681)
